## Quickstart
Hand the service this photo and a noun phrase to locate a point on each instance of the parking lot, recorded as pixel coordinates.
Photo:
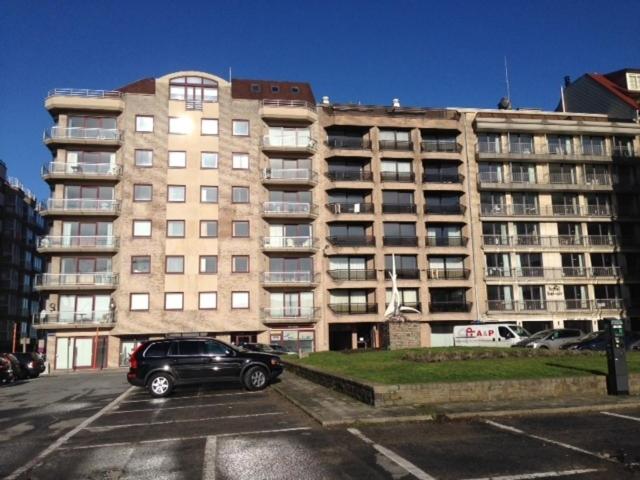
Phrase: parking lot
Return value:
(94, 426)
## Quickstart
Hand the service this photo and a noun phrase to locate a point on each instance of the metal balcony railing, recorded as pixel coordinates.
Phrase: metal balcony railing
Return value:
(528, 148)
(623, 151)
(75, 318)
(352, 241)
(450, 306)
(290, 314)
(289, 104)
(442, 241)
(543, 305)
(398, 208)
(350, 176)
(553, 273)
(599, 240)
(289, 174)
(403, 274)
(347, 207)
(404, 177)
(442, 177)
(288, 277)
(448, 273)
(289, 208)
(77, 279)
(525, 148)
(352, 274)
(405, 145)
(598, 179)
(598, 210)
(400, 241)
(81, 133)
(289, 141)
(504, 209)
(83, 205)
(444, 209)
(85, 169)
(353, 308)
(83, 92)
(78, 242)
(441, 146)
(489, 147)
(563, 178)
(349, 143)
(288, 242)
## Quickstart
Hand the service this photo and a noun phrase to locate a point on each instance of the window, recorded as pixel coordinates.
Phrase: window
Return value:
(208, 228)
(175, 228)
(240, 194)
(193, 90)
(208, 300)
(189, 348)
(275, 88)
(240, 264)
(173, 301)
(240, 228)
(209, 194)
(139, 301)
(143, 158)
(142, 193)
(240, 127)
(208, 264)
(157, 350)
(141, 264)
(174, 264)
(176, 193)
(142, 228)
(144, 123)
(295, 89)
(177, 159)
(255, 88)
(239, 299)
(209, 126)
(179, 125)
(633, 81)
(240, 161)
(208, 160)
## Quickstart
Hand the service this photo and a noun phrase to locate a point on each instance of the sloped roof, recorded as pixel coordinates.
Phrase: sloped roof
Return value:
(262, 90)
(614, 89)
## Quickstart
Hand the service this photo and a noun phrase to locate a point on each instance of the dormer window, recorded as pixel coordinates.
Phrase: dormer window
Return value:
(275, 89)
(295, 89)
(255, 88)
(633, 81)
(193, 89)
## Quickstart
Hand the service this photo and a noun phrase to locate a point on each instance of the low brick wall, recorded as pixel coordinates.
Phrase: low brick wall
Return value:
(441, 393)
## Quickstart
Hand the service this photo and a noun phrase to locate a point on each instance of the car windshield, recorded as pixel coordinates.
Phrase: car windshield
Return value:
(591, 336)
(520, 331)
(540, 335)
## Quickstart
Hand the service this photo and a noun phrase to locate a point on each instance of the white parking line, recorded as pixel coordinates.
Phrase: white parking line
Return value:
(182, 439)
(548, 440)
(397, 459)
(626, 417)
(106, 428)
(161, 401)
(61, 440)
(160, 408)
(209, 462)
(530, 476)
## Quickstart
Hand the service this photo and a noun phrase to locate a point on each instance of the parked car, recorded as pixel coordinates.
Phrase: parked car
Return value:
(488, 335)
(263, 347)
(550, 339)
(31, 363)
(6, 371)
(18, 372)
(280, 350)
(160, 365)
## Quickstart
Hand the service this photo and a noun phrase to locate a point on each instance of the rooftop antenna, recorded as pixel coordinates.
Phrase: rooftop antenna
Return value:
(506, 78)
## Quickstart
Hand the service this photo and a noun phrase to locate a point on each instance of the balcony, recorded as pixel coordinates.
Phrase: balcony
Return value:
(82, 136)
(442, 241)
(444, 209)
(560, 306)
(286, 315)
(350, 176)
(338, 208)
(52, 243)
(282, 279)
(621, 151)
(349, 143)
(355, 274)
(560, 273)
(293, 143)
(353, 308)
(401, 177)
(449, 307)
(440, 146)
(403, 274)
(81, 206)
(442, 178)
(399, 241)
(552, 182)
(76, 281)
(81, 171)
(83, 99)
(448, 273)
(534, 241)
(289, 244)
(300, 110)
(352, 241)
(401, 145)
(398, 208)
(289, 209)
(526, 210)
(93, 319)
(289, 176)
(551, 152)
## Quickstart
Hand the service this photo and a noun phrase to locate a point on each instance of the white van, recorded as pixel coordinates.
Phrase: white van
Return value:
(488, 335)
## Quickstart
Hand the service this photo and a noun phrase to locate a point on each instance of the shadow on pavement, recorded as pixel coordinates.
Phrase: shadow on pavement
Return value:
(587, 370)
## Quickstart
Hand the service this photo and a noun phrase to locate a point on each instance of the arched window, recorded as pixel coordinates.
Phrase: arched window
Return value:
(193, 89)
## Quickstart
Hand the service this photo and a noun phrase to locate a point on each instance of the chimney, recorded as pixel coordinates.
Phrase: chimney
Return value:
(567, 80)
(396, 103)
(325, 100)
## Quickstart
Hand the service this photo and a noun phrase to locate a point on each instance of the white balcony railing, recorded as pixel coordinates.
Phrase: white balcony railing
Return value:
(76, 279)
(297, 174)
(82, 204)
(292, 313)
(78, 242)
(289, 140)
(75, 318)
(86, 169)
(289, 104)
(295, 208)
(83, 92)
(288, 277)
(81, 133)
(287, 242)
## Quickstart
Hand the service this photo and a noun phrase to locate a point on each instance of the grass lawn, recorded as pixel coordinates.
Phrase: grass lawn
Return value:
(388, 367)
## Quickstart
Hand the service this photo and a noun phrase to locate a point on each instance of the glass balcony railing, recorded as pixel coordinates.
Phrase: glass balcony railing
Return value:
(78, 242)
(350, 176)
(353, 308)
(289, 314)
(82, 133)
(288, 277)
(347, 207)
(352, 240)
(288, 208)
(82, 205)
(76, 279)
(289, 174)
(81, 169)
(75, 318)
(285, 243)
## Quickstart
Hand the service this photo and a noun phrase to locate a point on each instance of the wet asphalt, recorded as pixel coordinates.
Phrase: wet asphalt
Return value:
(224, 432)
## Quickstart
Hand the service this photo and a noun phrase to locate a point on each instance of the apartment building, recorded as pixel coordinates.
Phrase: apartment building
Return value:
(20, 225)
(188, 204)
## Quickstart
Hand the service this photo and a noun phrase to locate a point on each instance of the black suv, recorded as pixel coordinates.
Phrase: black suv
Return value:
(159, 365)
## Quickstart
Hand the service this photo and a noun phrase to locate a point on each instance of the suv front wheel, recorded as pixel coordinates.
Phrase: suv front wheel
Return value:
(160, 385)
(255, 378)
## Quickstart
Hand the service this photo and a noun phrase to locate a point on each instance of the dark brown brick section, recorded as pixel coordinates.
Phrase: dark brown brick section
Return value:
(242, 89)
(144, 86)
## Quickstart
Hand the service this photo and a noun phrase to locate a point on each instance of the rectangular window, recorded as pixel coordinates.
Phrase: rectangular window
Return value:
(139, 301)
(173, 301)
(240, 228)
(208, 264)
(179, 125)
(240, 161)
(209, 194)
(142, 193)
(208, 160)
(175, 228)
(142, 228)
(240, 127)
(177, 159)
(176, 193)
(143, 158)
(209, 126)
(141, 264)
(174, 264)
(240, 264)
(240, 300)
(208, 228)
(144, 123)
(208, 300)
(240, 194)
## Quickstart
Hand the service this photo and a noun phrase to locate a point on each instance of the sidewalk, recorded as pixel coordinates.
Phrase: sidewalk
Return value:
(330, 408)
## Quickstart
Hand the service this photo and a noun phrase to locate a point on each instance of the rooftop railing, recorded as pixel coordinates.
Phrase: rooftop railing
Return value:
(83, 92)
(289, 104)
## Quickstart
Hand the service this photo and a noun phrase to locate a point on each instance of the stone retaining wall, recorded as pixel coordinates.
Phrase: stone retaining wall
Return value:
(397, 335)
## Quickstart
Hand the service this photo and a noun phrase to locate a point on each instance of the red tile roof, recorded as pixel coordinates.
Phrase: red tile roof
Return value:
(243, 89)
(146, 85)
(614, 89)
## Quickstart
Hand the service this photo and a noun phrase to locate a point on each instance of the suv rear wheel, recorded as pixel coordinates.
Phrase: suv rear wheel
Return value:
(255, 378)
(160, 385)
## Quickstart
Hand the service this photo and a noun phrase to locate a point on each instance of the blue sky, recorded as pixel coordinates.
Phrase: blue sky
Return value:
(427, 53)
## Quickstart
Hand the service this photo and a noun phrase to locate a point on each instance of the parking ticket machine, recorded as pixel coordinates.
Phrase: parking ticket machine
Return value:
(618, 376)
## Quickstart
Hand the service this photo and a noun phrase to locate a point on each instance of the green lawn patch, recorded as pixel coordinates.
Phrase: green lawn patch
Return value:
(400, 366)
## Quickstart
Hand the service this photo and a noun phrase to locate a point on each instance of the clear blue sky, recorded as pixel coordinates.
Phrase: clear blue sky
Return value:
(427, 53)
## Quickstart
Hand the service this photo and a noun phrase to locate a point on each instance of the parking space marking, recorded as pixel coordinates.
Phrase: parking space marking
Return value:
(161, 401)
(64, 438)
(161, 408)
(181, 439)
(531, 476)
(626, 417)
(397, 459)
(548, 440)
(106, 428)
(209, 462)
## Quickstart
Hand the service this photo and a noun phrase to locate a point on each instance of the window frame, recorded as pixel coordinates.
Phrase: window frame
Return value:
(184, 191)
(209, 236)
(166, 265)
(137, 294)
(235, 188)
(135, 157)
(233, 264)
(235, 155)
(206, 120)
(202, 167)
(244, 292)
(170, 132)
(184, 229)
(200, 271)
(132, 271)
(233, 229)
(136, 200)
(166, 294)
(240, 121)
(200, 307)
(169, 159)
(139, 221)
(138, 117)
(202, 187)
